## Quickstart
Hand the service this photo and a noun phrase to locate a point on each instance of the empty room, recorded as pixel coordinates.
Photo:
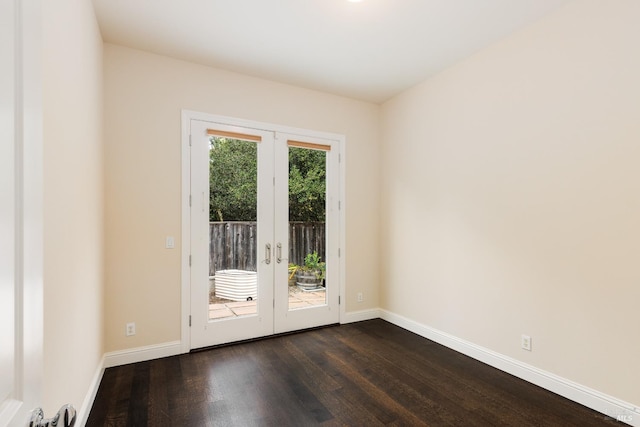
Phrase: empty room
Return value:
(321, 212)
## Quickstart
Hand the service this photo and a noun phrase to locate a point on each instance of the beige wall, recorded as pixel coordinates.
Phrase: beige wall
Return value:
(73, 208)
(511, 197)
(144, 95)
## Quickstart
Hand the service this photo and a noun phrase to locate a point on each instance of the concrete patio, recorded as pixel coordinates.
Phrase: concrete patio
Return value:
(298, 299)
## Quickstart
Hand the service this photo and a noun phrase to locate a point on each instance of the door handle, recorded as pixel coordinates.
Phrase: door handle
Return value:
(66, 417)
(267, 256)
(279, 253)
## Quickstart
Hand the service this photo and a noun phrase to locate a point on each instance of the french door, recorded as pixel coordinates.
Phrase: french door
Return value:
(264, 231)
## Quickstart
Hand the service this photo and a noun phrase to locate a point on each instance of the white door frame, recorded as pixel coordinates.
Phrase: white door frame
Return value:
(187, 116)
(21, 220)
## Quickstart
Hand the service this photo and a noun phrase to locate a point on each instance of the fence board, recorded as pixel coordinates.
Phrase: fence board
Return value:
(233, 245)
(306, 238)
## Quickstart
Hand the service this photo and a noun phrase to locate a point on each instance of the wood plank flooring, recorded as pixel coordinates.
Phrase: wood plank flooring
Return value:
(362, 374)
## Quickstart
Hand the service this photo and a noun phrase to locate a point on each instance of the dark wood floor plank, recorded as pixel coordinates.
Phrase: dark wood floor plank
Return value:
(369, 373)
(118, 405)
(430, 396)
(139, 408)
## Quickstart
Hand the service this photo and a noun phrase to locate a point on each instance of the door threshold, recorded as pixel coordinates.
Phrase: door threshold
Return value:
(266, 337)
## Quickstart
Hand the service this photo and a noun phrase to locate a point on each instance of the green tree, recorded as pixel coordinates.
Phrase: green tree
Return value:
(307, 184)
(233, 182)
(233, 166)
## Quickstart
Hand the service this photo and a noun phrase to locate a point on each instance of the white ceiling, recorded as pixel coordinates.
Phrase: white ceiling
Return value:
(370, 50)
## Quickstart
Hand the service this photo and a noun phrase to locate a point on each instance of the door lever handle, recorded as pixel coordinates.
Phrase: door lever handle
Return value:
(267, 256)
(66, 417)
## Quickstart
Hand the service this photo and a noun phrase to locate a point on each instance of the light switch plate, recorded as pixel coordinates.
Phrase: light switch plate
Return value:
(170, 243)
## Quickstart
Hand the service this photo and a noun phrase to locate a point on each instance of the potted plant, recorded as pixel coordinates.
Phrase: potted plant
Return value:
(311, 274)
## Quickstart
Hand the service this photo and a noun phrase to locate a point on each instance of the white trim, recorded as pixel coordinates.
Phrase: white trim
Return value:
(359, 316)
(185, 239)
(21, 216)
(142, 354)
(8, 409)
(31, 168)
(85, 409)
(263, 126)
(605, 404)
(342, 259)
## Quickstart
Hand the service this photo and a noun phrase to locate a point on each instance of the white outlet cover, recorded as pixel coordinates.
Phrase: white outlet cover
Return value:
(131, 329)
(525, 342)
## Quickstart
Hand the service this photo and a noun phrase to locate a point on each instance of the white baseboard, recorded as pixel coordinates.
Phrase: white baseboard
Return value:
(85, 409)
(608, 405)
(359, 316)
(141, 354)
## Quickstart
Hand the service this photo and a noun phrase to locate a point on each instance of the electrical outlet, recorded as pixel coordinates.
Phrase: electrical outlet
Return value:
(525, 342)
(131, 329)
(360, 297)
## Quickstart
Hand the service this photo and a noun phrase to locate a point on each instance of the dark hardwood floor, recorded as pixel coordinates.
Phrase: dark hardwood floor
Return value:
(362, 374)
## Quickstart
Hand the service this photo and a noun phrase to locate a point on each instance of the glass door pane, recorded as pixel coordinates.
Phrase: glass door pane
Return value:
(307, 219)
(233, 195)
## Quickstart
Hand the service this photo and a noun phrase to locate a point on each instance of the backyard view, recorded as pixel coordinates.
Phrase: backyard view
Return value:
(233, 253)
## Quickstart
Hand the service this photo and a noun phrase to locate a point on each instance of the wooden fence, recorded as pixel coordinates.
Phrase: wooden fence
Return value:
(233, 245)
